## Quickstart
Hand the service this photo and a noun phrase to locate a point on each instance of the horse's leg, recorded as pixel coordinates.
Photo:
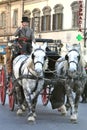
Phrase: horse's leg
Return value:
(71, 101)
(40, 86)
(24, 104)
(28, 99)
(67, 103)
(78, 92)
(20, 99)
(84, 94)
(34, 102)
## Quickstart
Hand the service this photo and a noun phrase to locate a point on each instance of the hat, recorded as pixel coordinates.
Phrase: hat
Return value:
(25, 19)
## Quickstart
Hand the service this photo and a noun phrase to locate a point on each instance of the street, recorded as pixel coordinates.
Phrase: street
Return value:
(47, 119)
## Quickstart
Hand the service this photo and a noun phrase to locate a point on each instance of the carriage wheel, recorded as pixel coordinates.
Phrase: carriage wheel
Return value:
(45, 96)
(11, 96)
(3, 85)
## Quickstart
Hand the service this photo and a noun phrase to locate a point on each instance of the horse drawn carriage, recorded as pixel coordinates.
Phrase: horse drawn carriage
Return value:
(51, 49)
(35, 74)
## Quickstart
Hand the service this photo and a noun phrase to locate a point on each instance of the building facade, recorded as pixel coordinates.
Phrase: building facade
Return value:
(51, 19)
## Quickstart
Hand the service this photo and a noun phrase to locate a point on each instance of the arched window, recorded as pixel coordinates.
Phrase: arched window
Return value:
(46, 19)
(58, 17)
(27, 13)
(36, 20)
(3, 19)
(75, 9)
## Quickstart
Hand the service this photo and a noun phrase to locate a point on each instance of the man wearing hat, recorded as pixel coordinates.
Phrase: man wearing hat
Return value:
(25, 30)
(25, 35)
(24, 41)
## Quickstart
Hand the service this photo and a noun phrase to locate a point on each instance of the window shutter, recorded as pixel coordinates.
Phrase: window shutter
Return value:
(38, 24)
(32, 24)
(42, 23)
(29, 21)
(54, 22)
(49, 22)
(60, 21)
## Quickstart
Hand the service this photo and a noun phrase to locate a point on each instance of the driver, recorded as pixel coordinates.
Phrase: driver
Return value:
(24, 41)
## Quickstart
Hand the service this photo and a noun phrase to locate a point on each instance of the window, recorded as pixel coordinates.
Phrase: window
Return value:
(15, 18)
(46, 19)
(3, 19)
(75, 9)
(58, 17)
(36, 20)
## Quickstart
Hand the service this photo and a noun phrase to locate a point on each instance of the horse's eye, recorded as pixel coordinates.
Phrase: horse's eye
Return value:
(33, 56)
(66, 57)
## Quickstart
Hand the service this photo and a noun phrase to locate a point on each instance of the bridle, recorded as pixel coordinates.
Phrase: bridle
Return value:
(72, 61)
(38, 49)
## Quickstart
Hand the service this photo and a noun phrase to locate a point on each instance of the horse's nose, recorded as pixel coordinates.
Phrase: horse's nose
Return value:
(72, 68)
(38, 68)
(38, 71)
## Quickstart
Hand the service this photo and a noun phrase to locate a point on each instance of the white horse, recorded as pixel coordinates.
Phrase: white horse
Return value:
(72, 70)
(28, 72)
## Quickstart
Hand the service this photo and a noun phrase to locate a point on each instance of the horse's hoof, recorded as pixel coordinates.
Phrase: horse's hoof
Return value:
(67, 106)
(34, 114)
(73, 118)
(63, 110)
(23, 107)
(31, 119)
(19, 112)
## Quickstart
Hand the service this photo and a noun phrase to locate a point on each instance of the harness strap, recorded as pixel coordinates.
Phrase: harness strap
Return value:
(21, 67)
(74, 50)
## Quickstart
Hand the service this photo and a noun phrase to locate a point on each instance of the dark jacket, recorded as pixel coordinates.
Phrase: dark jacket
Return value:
(25, 39)
(25, 32)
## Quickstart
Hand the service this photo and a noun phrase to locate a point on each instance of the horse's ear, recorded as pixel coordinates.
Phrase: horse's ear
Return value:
(34, 45)
(67, 46)
(79, 46)
(44, 45)
(66, 57)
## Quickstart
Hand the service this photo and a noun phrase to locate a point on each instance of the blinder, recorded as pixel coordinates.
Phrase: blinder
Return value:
(33, 56)
(66, 57)
(79, 58)
(45, 57)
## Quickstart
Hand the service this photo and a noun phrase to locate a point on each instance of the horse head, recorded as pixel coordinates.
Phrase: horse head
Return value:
(38, 57)
(73, 58)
